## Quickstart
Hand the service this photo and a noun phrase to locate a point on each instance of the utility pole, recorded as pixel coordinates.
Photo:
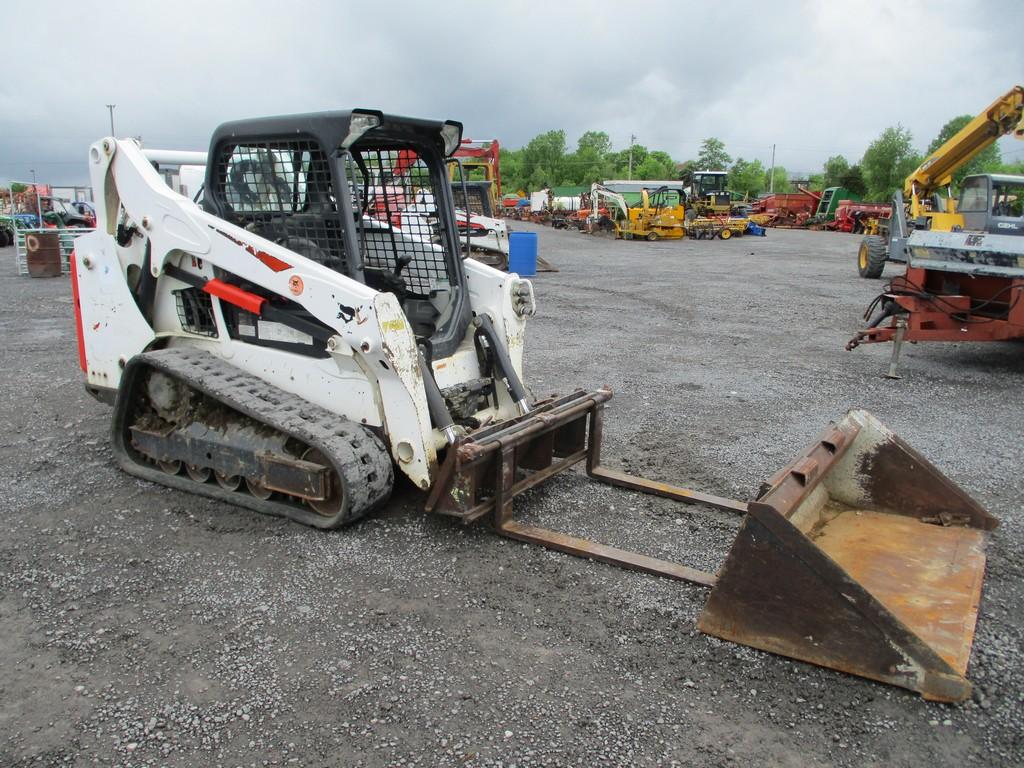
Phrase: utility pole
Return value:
(111, 108)
(632, 139)
(39, 202)
(771, 173)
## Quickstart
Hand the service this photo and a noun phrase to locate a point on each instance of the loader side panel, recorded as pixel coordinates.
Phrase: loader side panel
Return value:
(112, 325)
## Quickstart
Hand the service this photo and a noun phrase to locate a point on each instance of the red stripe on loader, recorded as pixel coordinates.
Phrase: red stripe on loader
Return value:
(78, 313)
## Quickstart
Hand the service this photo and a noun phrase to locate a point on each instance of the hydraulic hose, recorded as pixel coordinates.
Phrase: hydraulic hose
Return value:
(145, 291)
(439, 414)
(888, 309)
(503, 362)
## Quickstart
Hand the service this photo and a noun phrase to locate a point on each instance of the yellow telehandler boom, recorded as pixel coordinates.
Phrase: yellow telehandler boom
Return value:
(1002, 116)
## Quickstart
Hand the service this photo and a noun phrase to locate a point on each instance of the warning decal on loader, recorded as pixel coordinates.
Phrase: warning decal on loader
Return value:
(273, 262)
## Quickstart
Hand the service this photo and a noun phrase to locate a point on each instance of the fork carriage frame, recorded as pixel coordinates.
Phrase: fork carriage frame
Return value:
(481, 477)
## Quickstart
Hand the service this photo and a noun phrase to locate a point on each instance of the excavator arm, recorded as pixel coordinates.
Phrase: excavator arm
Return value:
(598, 192)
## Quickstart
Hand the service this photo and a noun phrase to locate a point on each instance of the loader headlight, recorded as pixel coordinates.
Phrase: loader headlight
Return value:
(358, 124)
(451, 134)
(523, 302)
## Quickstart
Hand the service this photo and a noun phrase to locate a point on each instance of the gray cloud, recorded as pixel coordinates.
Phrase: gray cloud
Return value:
(815, 79)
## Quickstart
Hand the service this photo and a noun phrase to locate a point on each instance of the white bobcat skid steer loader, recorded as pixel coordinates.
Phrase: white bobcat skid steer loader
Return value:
(288, 344)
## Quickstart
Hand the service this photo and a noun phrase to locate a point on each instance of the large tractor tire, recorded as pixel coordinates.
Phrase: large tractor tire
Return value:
(872, 256)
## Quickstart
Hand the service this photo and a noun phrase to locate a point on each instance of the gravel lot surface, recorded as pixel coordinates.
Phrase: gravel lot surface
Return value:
(142, 626)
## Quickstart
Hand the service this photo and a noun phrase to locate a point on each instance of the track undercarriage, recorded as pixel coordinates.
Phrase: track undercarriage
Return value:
(188, 420)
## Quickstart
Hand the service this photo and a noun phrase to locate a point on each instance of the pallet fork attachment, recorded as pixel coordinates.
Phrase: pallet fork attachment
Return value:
(859, 555)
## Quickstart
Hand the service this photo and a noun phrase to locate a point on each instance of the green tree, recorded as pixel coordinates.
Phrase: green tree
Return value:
(888, 161)
(511, 161)
(685, 171)
(543, 159)
(713, 156)
(835, 168)
(620, 160)
(747, 177)
(853, 180)
(1014, 169)
(656, 165)
(597, 141)
(987, 161)
(17, 187)
(541, 178)
(592, 159)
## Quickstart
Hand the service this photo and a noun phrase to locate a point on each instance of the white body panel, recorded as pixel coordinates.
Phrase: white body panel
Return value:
(496, 239)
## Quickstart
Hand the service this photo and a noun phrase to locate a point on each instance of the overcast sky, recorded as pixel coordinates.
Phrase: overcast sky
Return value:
(814, 78)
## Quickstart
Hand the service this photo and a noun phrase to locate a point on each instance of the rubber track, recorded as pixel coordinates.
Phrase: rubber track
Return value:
(359, 456)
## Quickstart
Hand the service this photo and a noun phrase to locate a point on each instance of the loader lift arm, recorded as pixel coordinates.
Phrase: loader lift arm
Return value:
(600, 192)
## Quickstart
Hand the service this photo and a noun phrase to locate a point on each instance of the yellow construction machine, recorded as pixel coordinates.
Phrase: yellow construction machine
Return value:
(964, 279)
(922, 206)
(723, 227)
(659, 216)
(312, 330)
(707, 195)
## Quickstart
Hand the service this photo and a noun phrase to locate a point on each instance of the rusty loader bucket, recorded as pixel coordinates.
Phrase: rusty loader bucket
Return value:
(863, 557)
(859, 556)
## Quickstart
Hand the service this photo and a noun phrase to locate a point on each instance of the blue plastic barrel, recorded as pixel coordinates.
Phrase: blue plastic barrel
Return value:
(522, 253)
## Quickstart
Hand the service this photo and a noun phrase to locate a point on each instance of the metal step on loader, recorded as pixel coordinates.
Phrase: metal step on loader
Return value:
(294, 341)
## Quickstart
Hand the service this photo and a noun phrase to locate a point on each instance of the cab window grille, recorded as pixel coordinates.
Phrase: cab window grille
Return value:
(281, 190)
(476, 199)
(395, 193)
(195, 311)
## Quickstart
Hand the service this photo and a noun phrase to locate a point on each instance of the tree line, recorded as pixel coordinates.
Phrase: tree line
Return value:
(546, 162)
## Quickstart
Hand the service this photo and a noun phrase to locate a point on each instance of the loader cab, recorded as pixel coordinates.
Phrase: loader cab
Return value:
(708, 183)
(708, 193)
(993, 203)
(663, 199)
(333, 187)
